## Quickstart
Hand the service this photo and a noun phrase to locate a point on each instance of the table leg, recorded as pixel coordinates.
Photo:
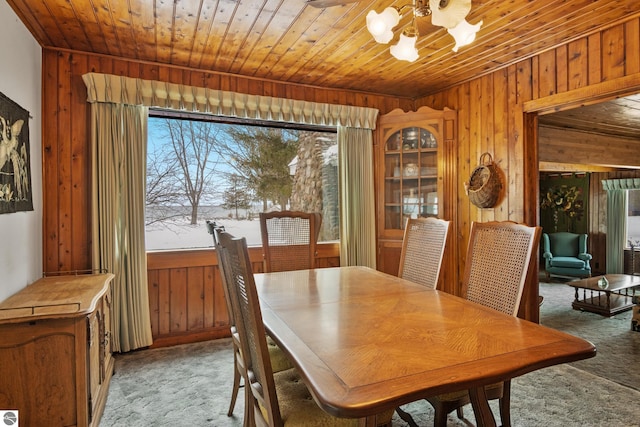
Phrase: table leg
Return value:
(481, 409)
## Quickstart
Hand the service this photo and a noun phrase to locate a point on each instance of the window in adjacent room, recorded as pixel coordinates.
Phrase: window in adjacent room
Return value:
(633, 217)
(204, 168)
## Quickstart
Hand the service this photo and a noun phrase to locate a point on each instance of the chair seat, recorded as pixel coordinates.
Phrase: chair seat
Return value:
(279, 360)
(567, 262)
(298, 408)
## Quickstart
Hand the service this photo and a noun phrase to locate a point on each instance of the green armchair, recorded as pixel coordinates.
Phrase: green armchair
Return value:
(565, 254)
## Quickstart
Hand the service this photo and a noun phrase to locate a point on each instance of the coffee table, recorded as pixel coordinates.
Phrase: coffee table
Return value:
(615, 298)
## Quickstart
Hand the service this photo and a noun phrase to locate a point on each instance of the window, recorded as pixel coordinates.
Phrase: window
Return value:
(201, 168)
(633, 217)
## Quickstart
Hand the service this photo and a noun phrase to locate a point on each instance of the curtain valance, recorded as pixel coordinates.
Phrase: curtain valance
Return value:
(621, 184)
(153, 93)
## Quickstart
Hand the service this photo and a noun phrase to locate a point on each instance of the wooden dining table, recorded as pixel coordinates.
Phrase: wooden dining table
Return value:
(366, 342)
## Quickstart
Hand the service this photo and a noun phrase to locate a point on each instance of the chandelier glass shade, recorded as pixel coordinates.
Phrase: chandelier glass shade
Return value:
(449, 14)
(464, 33)
(406, 49)
(381, 25)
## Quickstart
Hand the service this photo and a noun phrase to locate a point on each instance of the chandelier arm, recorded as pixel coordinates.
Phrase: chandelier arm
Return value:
(401, 9)
(419, 7)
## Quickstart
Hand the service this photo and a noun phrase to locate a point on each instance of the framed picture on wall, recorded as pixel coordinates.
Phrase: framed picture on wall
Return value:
(15, 169)
(564, 202)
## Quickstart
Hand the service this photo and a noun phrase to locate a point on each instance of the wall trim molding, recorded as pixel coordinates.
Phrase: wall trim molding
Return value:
(583, 96)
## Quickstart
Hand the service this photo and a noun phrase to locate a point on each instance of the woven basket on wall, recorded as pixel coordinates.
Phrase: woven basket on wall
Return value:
(484, 185)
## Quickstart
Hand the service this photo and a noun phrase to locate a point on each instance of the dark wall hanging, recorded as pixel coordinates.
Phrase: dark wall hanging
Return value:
(564, 202)
(15, 169)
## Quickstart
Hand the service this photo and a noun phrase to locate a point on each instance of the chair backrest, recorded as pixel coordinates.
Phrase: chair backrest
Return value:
(498, 258)
(212, 227)
(289, 239)
(567, 244)
(422, 250)
(240, 285)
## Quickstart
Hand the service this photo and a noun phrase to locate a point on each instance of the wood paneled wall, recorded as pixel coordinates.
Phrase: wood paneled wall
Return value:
(186, 299)
(496, 114)
(66, 138)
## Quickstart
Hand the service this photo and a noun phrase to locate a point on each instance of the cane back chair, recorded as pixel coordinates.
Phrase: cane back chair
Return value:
(274, 399)
(498, 258)
(289, 239)
(423, 247)
(279, 360)
(422, 250)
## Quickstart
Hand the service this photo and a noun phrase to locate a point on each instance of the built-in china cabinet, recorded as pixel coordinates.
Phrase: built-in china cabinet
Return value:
(410, 150)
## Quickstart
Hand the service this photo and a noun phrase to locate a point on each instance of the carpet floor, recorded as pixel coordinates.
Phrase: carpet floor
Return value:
(190, 385)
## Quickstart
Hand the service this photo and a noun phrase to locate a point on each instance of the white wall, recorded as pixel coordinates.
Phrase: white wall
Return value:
(21, 81)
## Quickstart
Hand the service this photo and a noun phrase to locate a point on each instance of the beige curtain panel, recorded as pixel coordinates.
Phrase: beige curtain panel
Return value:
(357, 206)
(153, 93)
(119, 141)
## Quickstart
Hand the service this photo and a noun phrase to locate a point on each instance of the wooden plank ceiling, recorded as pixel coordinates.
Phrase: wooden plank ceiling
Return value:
(585, 132)
(291, 41)
(618, 117)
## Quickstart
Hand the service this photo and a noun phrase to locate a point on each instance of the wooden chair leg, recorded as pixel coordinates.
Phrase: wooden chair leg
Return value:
(460, 412)
(440, 418)
(406, 417)
(505, 404)
(249, 420)
(236, 386)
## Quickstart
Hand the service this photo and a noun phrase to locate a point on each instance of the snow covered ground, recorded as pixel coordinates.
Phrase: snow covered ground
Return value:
(182, 235)
(178, 233)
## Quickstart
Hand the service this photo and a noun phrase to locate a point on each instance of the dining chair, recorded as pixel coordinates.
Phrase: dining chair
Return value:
(423, 246)
(279, 360)
(273, 398)
(498, 258)
(289, 239)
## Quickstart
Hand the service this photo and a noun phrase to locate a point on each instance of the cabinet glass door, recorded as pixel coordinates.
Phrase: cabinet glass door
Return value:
(411, 175)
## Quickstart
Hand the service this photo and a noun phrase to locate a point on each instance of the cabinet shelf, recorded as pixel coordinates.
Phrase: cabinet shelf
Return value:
(412, 150)
(410, 172)
(410, 178)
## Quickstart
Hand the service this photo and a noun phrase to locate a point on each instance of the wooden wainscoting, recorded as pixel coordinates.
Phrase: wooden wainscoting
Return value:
(186, 299)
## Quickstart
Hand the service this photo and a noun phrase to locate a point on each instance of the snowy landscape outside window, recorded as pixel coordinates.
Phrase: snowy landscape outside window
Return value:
(633, 218)
(199, 170)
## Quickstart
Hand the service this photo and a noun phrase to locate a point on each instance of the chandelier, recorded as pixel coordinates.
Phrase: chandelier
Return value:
(450, 14)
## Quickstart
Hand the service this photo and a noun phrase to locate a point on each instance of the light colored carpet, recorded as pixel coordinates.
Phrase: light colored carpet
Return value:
(618, 357)
(189, 385)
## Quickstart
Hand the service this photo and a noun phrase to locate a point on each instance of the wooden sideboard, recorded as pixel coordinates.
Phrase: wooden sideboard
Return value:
(55, 351)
